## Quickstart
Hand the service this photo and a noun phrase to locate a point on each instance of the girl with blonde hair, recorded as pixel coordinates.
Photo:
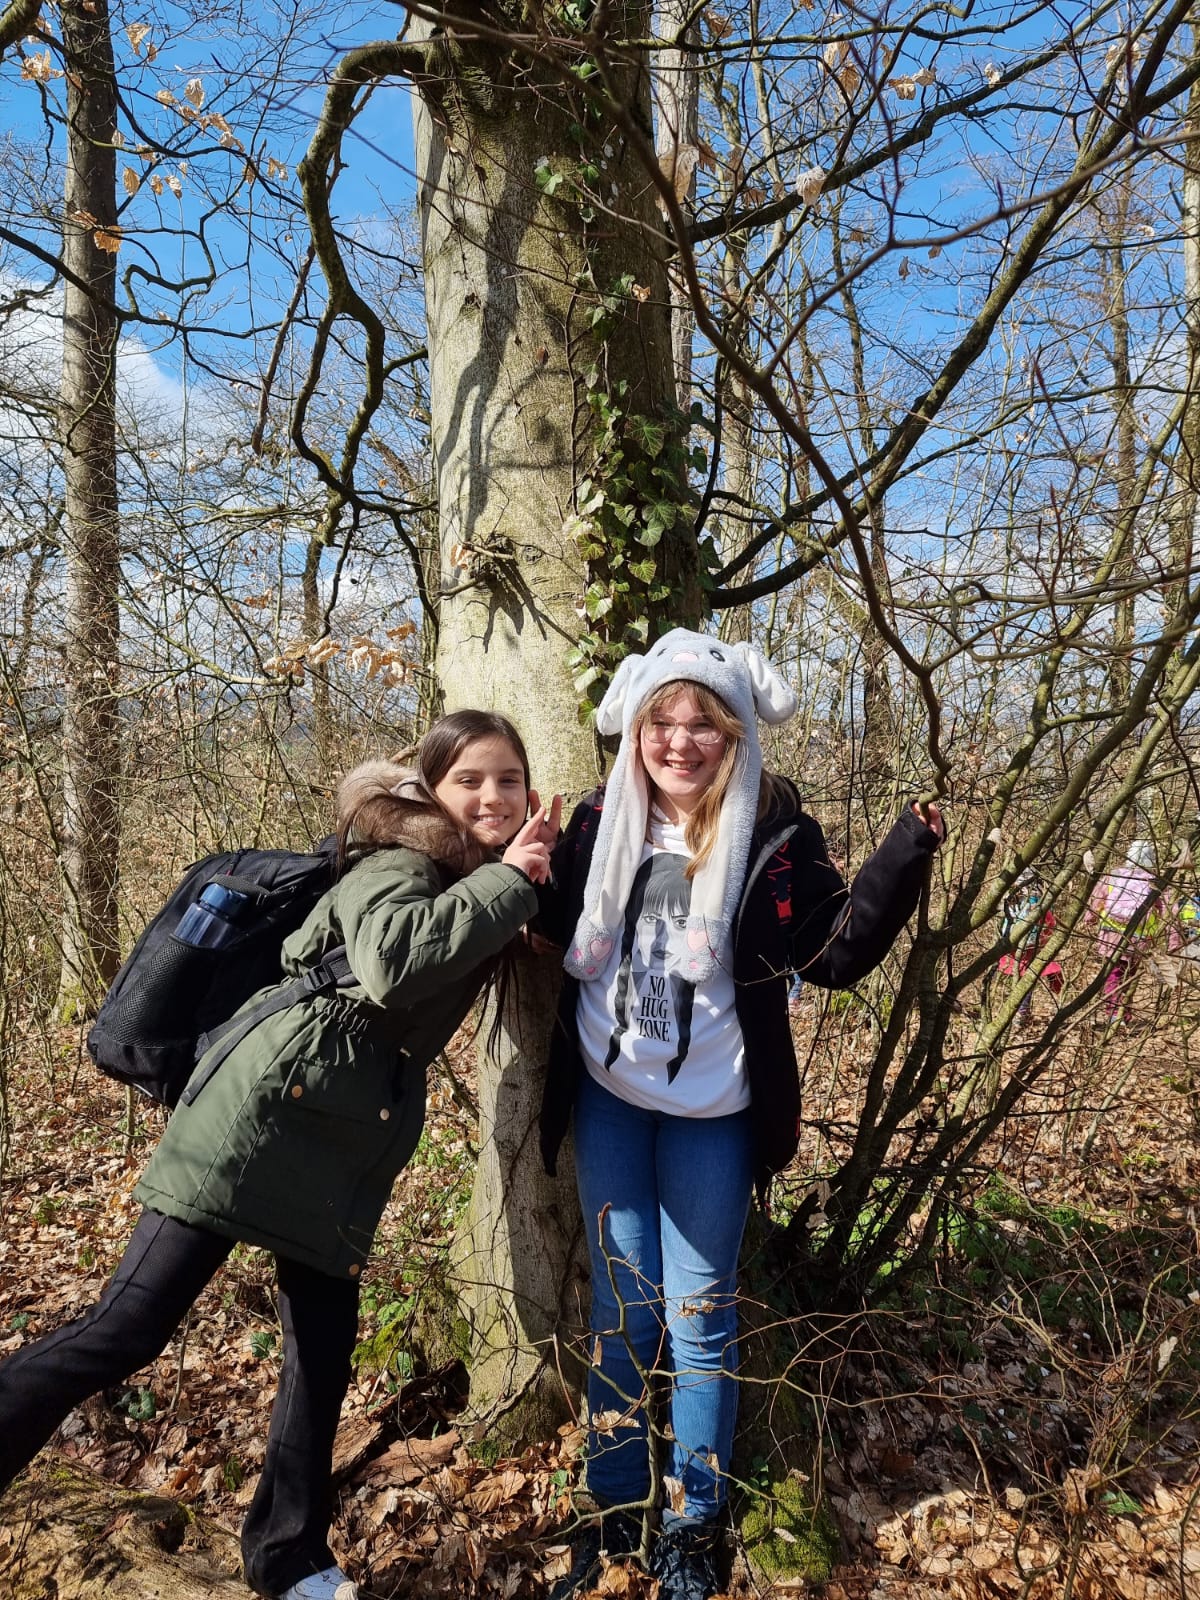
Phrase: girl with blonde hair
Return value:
(678, 1067)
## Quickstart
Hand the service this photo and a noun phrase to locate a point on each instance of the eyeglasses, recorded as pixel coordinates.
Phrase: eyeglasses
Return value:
(701, 733)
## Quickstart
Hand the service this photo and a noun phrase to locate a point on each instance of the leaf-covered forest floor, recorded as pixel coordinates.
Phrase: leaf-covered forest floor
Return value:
(1020, 1419)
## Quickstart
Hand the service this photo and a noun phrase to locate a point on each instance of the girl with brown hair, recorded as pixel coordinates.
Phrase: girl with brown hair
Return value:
(294, 1143)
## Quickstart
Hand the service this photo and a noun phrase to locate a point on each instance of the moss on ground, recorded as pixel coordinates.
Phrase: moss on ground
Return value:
(786, 1537)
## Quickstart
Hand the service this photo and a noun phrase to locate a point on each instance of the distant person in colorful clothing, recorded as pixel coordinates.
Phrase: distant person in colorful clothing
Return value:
(1132, 917)
(1028, 922)
(1189, 928)
(795, 991)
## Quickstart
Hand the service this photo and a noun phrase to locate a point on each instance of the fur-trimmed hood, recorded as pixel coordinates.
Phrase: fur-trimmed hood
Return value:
(382, 803)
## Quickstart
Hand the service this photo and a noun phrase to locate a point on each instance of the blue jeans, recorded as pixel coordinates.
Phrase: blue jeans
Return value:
(664, 1289)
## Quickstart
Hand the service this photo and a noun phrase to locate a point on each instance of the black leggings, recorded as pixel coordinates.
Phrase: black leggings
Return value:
(165, 1266)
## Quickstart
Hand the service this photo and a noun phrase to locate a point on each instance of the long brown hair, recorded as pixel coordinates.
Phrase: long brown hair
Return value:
(394, 802)
(700, 829)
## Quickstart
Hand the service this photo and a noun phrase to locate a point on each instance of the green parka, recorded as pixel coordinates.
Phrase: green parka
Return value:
(295, 1141)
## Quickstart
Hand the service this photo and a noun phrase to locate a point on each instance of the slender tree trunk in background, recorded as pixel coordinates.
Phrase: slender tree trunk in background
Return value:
(737, 480)
(1114, 224)
(878, 743)
(91, 535)
(735, 405)
(515, 274)
(677, 92)
(314, 627)
(1185, 504)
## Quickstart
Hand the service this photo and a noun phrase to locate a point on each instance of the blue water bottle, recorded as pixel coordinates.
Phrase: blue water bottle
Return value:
(212, 921)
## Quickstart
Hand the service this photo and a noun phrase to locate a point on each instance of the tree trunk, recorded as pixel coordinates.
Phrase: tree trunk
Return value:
(677, 91)
(1185, 502)
(75, 1536)
(318, 672)
(519, 1271)
(878, 742)
(91, 732)
(1114, 225)
(547, 308)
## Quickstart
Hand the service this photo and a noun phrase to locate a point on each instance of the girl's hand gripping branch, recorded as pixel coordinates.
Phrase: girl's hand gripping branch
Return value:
(931, 816)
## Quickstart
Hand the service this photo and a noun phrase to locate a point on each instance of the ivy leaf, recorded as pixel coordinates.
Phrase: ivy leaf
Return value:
(597, 604)
(639, 629)
(643, 571)
(547, 180)
(650, 435)
(663, 515)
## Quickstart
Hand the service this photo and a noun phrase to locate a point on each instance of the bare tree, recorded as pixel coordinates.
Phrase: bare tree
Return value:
(91, 530)
(549, 222)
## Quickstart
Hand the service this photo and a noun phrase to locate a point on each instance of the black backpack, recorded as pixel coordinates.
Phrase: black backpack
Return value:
(171, 1000)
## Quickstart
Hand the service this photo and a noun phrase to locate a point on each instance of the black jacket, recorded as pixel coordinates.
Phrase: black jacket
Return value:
(796, 914)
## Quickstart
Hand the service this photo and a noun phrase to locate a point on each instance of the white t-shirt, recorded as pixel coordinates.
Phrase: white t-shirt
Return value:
(645, 1033)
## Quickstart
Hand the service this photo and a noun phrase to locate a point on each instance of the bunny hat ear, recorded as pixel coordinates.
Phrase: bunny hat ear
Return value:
(774, 700)
(610, 713)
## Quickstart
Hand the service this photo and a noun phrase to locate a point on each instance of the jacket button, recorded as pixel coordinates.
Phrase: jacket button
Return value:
(384, 1114)
(355, 1270)
(297, 1091)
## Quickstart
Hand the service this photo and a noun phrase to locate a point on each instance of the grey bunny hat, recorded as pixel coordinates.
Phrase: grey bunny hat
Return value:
(749, 685)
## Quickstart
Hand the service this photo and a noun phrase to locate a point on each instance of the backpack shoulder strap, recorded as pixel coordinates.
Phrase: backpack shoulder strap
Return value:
(330, 973)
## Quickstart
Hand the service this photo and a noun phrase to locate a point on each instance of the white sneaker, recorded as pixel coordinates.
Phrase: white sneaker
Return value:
(332, 1584)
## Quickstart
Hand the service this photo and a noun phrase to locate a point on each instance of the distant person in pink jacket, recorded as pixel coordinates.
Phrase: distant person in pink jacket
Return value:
(1132, 918)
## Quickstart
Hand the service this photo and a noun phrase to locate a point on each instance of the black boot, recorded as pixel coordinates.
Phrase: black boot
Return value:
(613, 1533)
(685, 1561)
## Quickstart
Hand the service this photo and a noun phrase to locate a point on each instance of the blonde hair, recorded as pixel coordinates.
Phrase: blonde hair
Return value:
(700, 829)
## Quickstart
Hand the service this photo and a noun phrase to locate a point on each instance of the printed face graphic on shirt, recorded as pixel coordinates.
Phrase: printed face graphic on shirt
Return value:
(652, 1002)
(654, 932)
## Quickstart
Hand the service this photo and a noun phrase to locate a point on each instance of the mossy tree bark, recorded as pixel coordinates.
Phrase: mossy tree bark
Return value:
(548, 308)
(566, 533)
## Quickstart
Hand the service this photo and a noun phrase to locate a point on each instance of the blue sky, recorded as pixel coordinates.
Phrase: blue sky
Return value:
(230, 73)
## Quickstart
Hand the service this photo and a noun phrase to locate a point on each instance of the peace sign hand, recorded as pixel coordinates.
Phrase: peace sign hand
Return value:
(553, 818)
(529, 852)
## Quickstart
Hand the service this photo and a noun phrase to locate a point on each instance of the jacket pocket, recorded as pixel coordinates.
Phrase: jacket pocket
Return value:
(333, 1136)
(367, 1089)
